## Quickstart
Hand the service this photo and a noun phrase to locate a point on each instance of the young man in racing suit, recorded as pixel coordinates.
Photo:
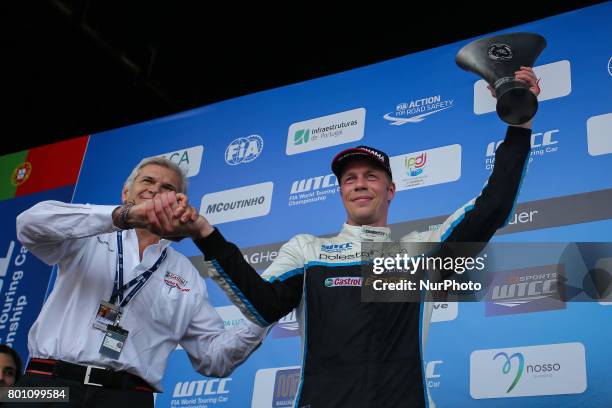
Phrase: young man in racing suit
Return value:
(355, 354)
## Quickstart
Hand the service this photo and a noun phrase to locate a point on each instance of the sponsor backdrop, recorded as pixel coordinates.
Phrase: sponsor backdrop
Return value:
(259, 168)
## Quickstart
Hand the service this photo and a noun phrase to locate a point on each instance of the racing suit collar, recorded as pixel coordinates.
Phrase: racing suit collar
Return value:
(362, 233)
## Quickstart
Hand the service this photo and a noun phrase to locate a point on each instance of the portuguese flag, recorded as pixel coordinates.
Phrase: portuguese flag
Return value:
(41, 168)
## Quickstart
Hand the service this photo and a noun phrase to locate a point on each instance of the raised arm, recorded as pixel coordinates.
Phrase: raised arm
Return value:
(478, 219)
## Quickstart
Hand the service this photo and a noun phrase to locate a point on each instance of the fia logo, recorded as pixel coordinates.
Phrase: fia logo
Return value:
(244, 150)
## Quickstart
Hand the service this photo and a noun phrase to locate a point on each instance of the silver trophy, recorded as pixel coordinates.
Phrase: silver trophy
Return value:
(495, 59)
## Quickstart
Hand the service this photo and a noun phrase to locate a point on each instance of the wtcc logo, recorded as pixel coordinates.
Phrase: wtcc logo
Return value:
(312, 189)
(336, 247)
(313, 183)
(343, 281)
(211, 387)
(431, 373)
(244, 150)
(524, 290)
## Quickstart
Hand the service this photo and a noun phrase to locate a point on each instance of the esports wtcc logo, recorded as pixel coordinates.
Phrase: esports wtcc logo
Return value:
(524, 290)
(549, 369)
(417, 110)
(244, 150)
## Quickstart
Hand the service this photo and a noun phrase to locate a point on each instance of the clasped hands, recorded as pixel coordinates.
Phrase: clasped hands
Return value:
(169, 215)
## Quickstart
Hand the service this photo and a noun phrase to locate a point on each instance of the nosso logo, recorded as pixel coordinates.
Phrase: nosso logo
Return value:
(508, 366)
(244, 150)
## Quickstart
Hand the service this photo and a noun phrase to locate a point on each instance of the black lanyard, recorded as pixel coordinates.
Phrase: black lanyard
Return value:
(138, 282)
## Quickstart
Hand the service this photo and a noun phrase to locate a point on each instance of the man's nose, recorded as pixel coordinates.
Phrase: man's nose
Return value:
(155, 188)
(360, 182)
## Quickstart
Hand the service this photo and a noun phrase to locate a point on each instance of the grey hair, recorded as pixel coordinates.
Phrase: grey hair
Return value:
(160, 161)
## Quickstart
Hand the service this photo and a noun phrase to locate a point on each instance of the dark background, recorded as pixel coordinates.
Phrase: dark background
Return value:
(75, 67)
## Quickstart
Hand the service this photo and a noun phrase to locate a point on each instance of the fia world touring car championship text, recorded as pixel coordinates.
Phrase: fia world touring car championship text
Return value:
(412, 264)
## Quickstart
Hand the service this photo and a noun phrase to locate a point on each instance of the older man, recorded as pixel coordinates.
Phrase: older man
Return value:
(123, 299)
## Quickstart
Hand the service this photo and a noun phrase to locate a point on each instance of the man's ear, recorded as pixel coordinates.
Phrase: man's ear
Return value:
(391, 191)
(124, 194)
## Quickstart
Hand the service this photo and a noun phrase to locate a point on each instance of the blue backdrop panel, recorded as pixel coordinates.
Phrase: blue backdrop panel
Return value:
(24, 278)
(269, 154)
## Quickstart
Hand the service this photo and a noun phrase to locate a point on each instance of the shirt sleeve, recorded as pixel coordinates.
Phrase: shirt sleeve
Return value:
(50, 229)
(213, 350)
(262, 299)
(480, 217)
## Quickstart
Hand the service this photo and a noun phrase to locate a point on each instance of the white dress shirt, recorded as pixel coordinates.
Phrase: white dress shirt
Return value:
(82, 240)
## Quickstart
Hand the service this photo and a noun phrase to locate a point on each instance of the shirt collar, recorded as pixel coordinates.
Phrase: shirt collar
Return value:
(363, 233)
(129, 236)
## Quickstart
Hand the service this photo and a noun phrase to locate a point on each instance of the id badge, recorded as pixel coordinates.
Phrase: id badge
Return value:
(113, 342)
(108, 315)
